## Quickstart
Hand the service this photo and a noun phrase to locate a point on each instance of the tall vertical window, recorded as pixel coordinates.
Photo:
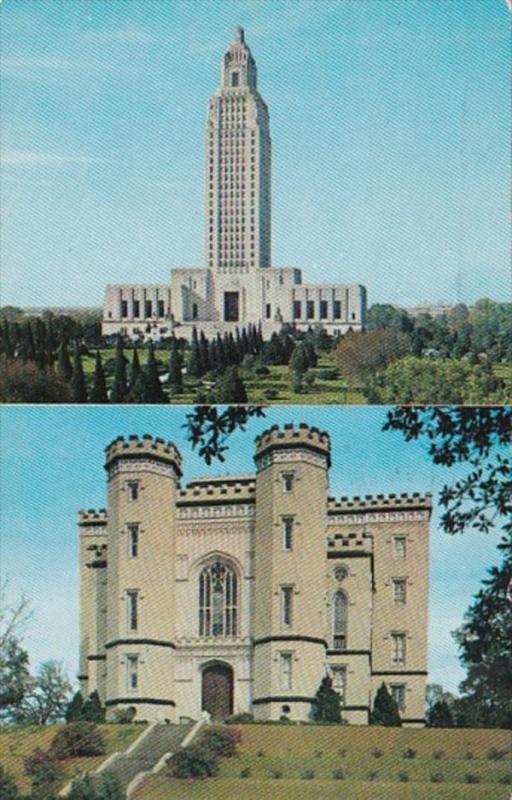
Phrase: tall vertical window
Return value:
(340, 608)
(398, 695)
(399, 591)
(288, 479)
(337, 309)
(398, 648)
(218, 600)
(400, 546)
(132, 598)
(132, 672)
(286, 668)
(124, 308)
(286, 605)
(310, 309)
(297, 310)
(133, 541)
(339, 682)
(287, 532)
(323, 309)
(133, 490)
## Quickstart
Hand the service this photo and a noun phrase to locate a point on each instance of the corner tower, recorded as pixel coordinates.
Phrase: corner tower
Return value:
(238, 153)
(291, 515)
(143, 476)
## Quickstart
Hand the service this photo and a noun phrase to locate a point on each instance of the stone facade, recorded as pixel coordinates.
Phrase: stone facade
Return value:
(240, 593)
(238, 286)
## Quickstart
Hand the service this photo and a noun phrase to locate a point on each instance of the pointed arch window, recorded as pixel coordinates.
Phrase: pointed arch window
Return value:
(218, 600)
(340, 607)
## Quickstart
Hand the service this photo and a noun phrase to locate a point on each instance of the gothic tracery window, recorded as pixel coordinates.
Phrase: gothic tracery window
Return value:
(218, 600)
(340, 621)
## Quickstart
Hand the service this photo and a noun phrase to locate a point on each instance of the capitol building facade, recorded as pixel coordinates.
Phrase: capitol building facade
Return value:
(237, 286)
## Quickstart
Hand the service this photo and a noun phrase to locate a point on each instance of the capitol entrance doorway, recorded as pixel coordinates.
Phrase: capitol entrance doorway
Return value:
(217, 690)
(231, 307)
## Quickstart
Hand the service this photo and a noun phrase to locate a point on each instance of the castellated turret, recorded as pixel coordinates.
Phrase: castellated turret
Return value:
(143, 476)
(93, 601)
(291, 516)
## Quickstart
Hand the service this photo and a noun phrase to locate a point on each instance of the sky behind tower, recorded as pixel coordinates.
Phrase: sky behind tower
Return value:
(52, 465)
(389, 122)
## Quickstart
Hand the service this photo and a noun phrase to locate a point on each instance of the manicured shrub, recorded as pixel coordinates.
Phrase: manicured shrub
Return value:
(342, 753)
(277, 773)
(496, 755)
(377, 753)
(123, 716)
(42, 770)
(222, 742)
(438, 754)
(261, 754)
(308, 774)
(385, 710)
(240, 719)
(505, 780)
(403, 777)
(77, 739)
(271, 393)
(261, 371)
(318, 753)
(410, 753)
(372, 776)
(84, 789)
(8, 789)
(92, 710)
(193, 762)
(245, 773)
(328, 374)
(437, 777)
(472, 777)
(339, 775)
(469, 756)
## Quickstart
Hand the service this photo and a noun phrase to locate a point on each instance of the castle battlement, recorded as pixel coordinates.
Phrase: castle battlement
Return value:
(92, 517)
(224, 489)
(380, 502)
(302, 436)
(146, 446)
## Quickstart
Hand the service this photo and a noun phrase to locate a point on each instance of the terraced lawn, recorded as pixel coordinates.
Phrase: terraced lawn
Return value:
(321, 762)
(17, 743)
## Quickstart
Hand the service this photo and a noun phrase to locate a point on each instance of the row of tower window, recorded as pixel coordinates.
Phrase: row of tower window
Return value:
(338, 675)
(147, 307)
(323, 309)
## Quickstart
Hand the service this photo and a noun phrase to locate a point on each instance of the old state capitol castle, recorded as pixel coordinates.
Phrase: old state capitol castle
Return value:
(240, 593)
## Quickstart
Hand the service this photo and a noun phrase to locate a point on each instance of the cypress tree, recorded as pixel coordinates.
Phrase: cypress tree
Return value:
(233, 355)
(385, 710)
(230, 387)
(119, 384)
(299, 360)
(326, 705)
(28, 350)
(64, 367)
(227, 349)
(221, 353)
(175, 368)
(99, 389)
(238, 346)
(153, 392)
(194, 361)
(245, 343)
(78, 384)
(135, 369)
(92, 710)
(214, 356)
(204, 350)
(74, 708)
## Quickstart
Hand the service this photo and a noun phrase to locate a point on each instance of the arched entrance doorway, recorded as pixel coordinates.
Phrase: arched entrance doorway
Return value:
(217, 690)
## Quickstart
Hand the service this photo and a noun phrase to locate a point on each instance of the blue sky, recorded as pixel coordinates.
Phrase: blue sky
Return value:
(390, 142)
(52, 466)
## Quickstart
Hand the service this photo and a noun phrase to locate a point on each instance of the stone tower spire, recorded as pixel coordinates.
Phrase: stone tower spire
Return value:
(238, 168)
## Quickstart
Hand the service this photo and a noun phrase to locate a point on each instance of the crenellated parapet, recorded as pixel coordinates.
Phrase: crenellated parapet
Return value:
(146, 451)
(379, 502)
(92, 518)
(215, 491)
(290, 443)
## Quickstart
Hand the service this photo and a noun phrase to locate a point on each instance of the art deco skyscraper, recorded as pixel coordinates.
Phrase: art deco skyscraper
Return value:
(238, 168)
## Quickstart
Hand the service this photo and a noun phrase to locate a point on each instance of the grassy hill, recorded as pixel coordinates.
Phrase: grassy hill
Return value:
(352, 763)
(17, 743)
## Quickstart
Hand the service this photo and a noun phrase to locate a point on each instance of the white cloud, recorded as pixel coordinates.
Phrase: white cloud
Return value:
(30, 158)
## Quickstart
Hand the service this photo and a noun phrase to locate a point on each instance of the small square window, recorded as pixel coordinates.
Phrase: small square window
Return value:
(399, 591)
(288, 479)
(400, 546)
(286, 605)
(132, 672)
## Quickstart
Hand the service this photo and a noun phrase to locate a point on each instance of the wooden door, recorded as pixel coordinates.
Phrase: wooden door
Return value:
(217, 691)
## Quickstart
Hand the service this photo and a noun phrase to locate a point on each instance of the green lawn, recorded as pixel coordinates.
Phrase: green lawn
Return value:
(295, 753)
(16, 743)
